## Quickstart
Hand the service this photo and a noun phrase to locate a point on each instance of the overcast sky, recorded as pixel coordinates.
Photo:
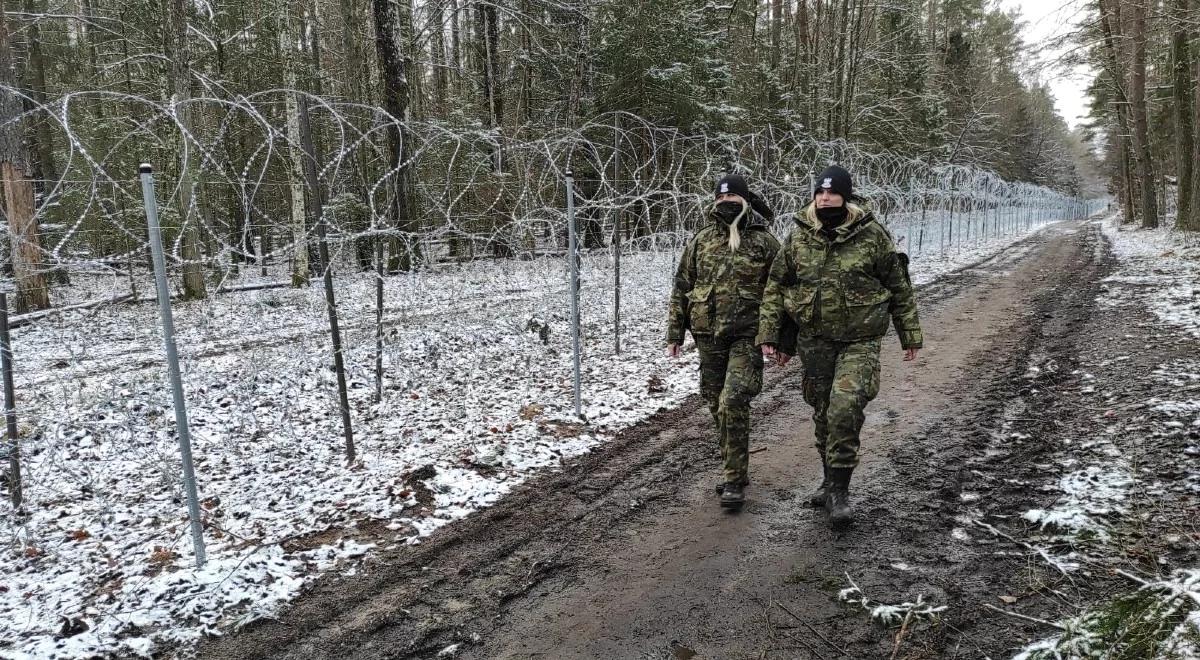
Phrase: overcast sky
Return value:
(1046, 26)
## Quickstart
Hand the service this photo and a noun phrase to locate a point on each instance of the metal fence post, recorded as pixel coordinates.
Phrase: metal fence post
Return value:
(617, 219)
(10, 408)
(378, 319)
(573, 257)
(164, 307)
(316, 208)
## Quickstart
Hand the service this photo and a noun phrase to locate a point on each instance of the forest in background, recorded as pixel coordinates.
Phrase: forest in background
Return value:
(1146, 105)
(380, 115)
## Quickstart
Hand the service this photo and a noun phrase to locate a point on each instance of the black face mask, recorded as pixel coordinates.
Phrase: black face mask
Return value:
(727, 212)
(832, 216)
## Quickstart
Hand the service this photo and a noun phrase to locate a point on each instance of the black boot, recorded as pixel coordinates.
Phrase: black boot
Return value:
(733, 495)
(818, 496)
(837, 501)
(745, 481)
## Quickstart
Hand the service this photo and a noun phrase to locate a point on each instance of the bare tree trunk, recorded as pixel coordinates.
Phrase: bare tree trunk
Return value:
(180, 85)
(1181, 64)
(525, 98)
(40, 133)
(804, 65)
(291, 31)
(355, 84)
(776, 33)
(1141, 130)
(1128, 183)
(16, 171)
(487, 45)
(931, 35)
(437, 52)
(1192, 222)
(412, 70)
(316, 45)
(43, 133)
(92, 38)
(826, 65)
(581, 80)
(841, 57)
(1110, 24)
(862, 24)
(395, 101)
(456, 50)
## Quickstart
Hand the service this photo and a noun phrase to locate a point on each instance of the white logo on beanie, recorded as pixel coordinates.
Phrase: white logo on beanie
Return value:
(724, 188)
(828, 183)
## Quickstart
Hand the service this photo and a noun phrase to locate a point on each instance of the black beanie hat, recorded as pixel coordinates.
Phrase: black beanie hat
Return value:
(732, 183)
(837, 180)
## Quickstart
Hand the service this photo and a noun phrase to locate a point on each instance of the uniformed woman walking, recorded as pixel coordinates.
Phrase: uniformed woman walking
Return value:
(831, 292)
(717, 292)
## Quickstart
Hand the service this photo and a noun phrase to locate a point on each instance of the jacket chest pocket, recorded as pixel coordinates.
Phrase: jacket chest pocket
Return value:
(700, 309)
(798, 302)
(720, 310)
(867, 311)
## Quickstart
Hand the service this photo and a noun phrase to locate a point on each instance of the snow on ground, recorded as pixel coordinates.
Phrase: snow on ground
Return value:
(1164, 267)
(476, 399)
(1161, 270)
(1088, 495)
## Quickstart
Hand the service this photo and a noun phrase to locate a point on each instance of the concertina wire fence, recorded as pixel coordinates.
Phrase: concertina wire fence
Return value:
(479, 195)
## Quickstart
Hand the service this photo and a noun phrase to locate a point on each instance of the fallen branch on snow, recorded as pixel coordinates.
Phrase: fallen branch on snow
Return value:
(32, 317)
(253, 287)
(890, 615)
(816, 632)
(1017, 615)
(26, 319)
(1039, 551)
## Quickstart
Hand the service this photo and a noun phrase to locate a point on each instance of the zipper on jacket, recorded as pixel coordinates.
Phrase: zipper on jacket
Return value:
(820, 287)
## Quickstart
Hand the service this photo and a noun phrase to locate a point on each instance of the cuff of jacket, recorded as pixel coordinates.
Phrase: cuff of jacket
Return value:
(911, 339)
(674, 337)
(767, 337)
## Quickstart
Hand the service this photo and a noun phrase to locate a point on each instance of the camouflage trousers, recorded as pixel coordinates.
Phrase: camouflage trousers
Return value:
(840, 379)
(730, 376)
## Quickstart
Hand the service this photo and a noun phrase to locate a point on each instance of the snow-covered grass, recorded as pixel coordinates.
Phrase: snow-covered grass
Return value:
(1164, 266)
(476, 399)
(1161, 619)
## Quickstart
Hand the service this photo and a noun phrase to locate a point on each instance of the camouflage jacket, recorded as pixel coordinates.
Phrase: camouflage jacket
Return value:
(844, 289)
(717, 292)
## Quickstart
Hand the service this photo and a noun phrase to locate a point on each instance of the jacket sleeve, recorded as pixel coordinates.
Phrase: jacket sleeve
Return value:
(892, 268)
(685, 279)
(775, 326)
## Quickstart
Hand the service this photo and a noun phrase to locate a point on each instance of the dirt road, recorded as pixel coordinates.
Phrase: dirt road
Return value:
(625, 553)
